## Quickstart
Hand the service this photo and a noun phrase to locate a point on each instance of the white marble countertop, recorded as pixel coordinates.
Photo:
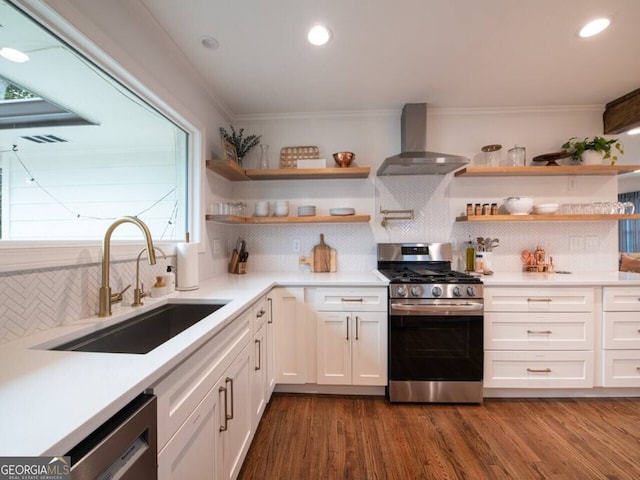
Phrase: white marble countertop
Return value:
(515, 279)
(50, 400)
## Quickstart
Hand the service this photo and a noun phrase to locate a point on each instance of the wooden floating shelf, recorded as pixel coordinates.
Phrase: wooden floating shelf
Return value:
(234, 219)
(544, 218)
(308, 173)
(234, 172)
(227, 169)
(546, 170)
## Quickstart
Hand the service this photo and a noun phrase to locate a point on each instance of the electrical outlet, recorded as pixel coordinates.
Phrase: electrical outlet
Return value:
(592, 243)
(576, 244)
(296, 245)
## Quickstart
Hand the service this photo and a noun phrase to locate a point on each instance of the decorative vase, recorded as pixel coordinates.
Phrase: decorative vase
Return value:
(264, 156)
(592, 157)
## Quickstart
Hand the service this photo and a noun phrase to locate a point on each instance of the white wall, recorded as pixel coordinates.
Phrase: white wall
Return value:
(436, 200)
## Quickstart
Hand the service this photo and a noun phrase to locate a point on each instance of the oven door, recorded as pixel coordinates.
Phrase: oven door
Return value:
(438, 341)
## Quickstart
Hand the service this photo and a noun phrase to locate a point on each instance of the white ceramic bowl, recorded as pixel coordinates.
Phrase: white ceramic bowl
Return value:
(518, 205)
(545, 208)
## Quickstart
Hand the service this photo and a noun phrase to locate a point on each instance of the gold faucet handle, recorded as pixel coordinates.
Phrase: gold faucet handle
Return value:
(117, 297)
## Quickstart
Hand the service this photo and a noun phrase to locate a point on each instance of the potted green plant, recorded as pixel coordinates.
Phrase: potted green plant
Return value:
(239, 141)
(581, 149)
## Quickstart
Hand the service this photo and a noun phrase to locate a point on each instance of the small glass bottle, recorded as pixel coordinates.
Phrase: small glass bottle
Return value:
(469, 209)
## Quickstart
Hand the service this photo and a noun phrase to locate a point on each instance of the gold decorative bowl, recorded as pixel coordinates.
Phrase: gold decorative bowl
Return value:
(344, 159)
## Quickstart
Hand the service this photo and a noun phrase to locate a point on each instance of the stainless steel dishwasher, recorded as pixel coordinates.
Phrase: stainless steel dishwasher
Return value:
(124, 447)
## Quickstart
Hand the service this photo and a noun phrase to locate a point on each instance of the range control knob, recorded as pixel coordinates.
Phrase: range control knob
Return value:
(402, 291)
(436, 291)
(457, 292)
(471, 291)
(416, 291)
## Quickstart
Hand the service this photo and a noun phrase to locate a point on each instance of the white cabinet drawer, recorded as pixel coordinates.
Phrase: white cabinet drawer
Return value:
(528, 299)
(621, 330)
(536, 369)
(351, 299)
(621, 368)
(260, 315)
(621, 299)
(538, 331)
(184, 388)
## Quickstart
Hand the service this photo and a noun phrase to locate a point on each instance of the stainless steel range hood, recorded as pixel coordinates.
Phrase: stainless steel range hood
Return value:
(415, 159)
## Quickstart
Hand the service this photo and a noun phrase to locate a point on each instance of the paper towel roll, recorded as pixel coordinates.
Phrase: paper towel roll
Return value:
(187, 259)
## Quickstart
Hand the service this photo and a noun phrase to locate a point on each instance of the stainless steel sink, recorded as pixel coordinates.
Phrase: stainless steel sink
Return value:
(143, 333)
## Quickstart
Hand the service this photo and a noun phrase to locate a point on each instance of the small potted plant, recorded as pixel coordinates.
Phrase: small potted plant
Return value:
(593, 150)
(237, 139)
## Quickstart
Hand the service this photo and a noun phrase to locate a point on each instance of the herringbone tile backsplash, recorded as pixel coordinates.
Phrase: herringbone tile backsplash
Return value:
(37, 300)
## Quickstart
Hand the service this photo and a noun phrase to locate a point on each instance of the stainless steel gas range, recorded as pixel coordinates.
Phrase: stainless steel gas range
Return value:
(436, 318)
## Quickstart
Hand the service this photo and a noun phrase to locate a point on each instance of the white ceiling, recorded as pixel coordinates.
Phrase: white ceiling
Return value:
(449, 53)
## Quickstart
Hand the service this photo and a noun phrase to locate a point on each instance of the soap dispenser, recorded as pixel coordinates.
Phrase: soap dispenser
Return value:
(170, 279)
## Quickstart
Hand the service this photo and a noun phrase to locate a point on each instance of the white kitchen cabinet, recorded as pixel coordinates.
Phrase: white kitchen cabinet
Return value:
(234, 415)
(351, 336)
(621, 337)
(259, 375)
(290, 336)
(352, 348)
(270, 331)
(191, 452)
(538, 369)
(539, 337)
(259, 385)
(180, 392)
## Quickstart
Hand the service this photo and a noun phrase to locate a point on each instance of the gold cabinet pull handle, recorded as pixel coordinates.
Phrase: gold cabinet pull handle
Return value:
(270, 319)
(539, 332)
(544, 300)
(347, 322)
(358, 300)
(259, 366)
(357, 321)
(226, 416)
(543, 370)
(230, 382)
(260, 314)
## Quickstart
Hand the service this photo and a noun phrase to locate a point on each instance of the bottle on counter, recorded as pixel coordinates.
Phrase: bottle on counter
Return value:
(470, 258)
(170, 279)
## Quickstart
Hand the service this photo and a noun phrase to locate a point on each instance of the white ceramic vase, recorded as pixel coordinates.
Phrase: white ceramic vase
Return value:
(592, 157)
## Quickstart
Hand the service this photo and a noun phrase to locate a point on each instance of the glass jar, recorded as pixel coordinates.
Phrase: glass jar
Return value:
(517, 156)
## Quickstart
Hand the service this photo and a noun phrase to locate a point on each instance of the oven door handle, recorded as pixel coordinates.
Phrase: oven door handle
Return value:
(475, 308)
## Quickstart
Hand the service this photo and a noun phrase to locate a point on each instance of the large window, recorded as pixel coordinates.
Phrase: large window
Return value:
(67, 176)
(629, 230)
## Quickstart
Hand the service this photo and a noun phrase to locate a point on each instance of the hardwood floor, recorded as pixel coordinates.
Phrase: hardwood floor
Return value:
(327, 437)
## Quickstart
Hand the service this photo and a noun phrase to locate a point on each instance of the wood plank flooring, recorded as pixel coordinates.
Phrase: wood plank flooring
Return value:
(337, 437)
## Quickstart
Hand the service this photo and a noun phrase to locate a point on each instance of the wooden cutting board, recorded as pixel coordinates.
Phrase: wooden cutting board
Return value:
(321, 256)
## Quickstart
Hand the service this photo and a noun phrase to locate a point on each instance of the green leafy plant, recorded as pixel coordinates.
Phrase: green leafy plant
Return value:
(237, 139)
(576, 147)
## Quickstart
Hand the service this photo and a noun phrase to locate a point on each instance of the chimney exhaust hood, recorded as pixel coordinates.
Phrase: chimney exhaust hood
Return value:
(414, 158)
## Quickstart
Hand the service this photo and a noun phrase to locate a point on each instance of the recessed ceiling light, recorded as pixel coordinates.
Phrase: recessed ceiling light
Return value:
(594, 27)
(14, 55)
(319, 35)
(634, 131)
(209, 42)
